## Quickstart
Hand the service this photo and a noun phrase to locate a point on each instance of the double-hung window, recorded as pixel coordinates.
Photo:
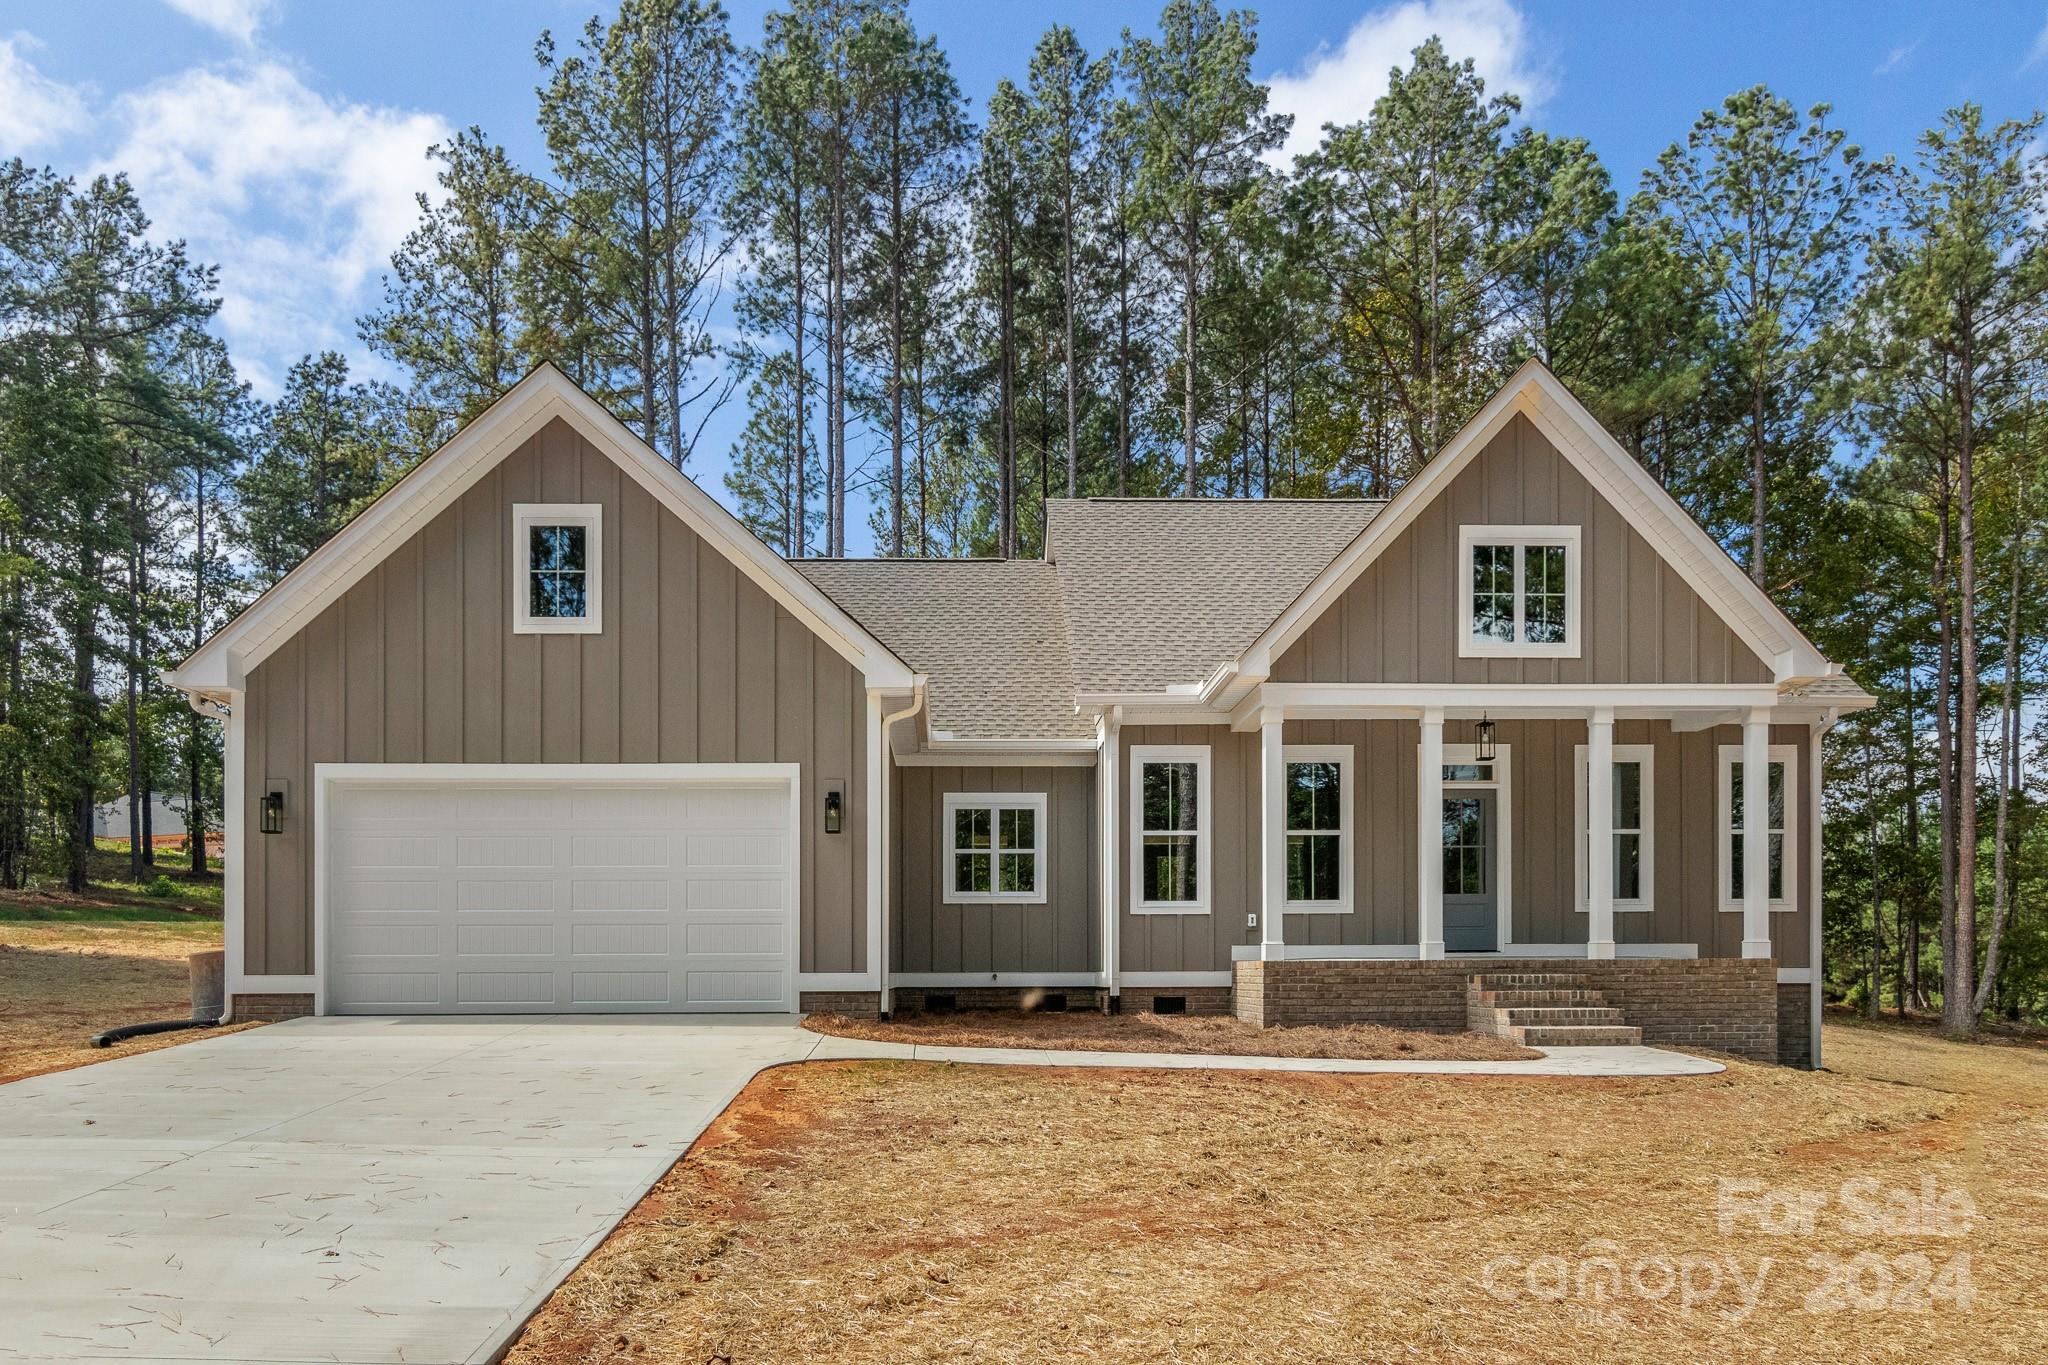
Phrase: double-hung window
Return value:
(1318, 800)
(1170, 829)
(995, 847)
(556, 555)
(1519, 591)
(1780, 828)
(1634, 839)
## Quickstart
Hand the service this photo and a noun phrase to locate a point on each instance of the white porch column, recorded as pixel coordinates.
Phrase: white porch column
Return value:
(1600, 833)
(1756, 838)
(1108, 786)
(1272, 842)
(1429, 847)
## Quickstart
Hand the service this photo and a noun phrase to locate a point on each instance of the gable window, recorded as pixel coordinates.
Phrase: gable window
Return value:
(1634, 843)
(556, 556)
(1318, 798)
(1780, 828)
(1170, 829)
(1520, 591)
(995, 847)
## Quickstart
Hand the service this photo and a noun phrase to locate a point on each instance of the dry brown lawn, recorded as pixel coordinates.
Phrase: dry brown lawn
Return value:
(1091, 1031)
(894, 1212)
(61, 982)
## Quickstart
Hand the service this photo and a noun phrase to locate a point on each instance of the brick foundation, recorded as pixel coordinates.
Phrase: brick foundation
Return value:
(1795, 1026)
(911, 999)
(269, 1009)
(1726, 1004)
(862, 1004)
(1201, 999)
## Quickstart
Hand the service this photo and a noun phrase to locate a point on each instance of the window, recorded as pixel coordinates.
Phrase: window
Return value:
(1318, 801)
(1520, 590)
(1635, 775)
(995, 847)
(1170, 826)
(1781, 829)
(557, 550)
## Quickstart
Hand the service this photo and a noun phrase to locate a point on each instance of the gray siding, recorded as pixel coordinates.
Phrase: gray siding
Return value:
(1542, 835)
(418, 664)
(1062, 935)
(1399, 621)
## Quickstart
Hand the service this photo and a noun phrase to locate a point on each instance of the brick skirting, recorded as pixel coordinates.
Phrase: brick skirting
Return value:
(911, 999)
(865, 1004)
(1795, 1026)
(1728, 1004)
(1200, 999)
(269, 1009)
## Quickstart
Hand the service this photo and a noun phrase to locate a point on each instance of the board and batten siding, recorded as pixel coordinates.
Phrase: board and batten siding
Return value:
(1399, 621)
(1542, 838)
(1061, 935)
(418, 663)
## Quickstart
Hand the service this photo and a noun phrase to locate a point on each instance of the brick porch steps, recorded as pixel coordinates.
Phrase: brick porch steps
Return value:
(1545, 1009)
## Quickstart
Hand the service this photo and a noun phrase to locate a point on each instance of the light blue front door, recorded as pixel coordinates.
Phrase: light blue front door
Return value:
(1471, 865)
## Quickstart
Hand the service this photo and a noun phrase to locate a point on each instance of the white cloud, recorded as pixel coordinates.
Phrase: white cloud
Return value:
(2038, 50)
(1340, 85)
(299, 198)
(33, 108)
(1896, 58)
(236, 19)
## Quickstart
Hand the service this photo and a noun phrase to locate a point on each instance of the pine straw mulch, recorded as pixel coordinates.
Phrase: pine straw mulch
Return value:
(60, 983)
(1219, 1035)
(879, 1212)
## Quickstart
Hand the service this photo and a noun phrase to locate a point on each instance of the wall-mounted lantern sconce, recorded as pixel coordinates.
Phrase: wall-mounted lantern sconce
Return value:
(835, 807)
(271, 820)
(1483, 751)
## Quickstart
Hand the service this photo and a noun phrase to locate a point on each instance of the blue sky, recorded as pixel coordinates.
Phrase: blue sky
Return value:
(283, 138)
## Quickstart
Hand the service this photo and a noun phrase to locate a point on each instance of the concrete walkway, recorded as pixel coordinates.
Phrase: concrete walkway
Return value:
(400, 1190)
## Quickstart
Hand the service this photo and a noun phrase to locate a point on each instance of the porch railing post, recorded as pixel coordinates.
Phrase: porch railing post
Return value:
(1600, 833)
(1429, 848)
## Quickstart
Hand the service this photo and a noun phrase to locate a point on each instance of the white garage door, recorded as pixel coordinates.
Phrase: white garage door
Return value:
(484, 896)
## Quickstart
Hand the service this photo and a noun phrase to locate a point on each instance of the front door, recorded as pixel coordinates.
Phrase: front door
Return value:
(1471, 898)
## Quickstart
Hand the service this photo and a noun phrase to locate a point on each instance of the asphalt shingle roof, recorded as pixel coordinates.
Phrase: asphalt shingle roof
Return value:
(990, 633)
(1163, 591)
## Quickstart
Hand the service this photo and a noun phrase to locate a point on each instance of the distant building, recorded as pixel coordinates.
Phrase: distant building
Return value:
(166, 816)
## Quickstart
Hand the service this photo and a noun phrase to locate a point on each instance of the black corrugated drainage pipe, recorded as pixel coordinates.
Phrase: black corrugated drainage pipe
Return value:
(208, 997)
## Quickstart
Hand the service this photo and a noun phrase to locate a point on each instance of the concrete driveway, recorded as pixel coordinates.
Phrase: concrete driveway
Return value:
(350, 1190)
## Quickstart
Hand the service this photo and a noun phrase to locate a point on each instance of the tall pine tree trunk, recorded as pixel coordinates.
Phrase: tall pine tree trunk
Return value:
(1959, 1009)
(2008, 772)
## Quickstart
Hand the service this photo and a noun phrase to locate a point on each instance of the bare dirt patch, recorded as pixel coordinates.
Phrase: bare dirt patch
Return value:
(1088, 1031)
(62, 982)
(911, 1212)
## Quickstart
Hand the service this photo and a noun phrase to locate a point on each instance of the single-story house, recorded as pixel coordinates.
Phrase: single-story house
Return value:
(166, 816)
(546, 729)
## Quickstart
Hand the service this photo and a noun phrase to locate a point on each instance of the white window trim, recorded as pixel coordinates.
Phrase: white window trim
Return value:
(1340, 754)
(589, 515)
(995, 801)
(1731, 754)
(1204, 831)
(1519, 537)
(1503, 785)
(1645, 754)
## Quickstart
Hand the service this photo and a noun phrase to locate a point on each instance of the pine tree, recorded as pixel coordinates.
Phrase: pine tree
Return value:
(320, 455)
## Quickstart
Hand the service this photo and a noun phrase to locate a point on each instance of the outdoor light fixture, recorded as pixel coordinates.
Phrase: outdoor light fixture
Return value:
(835, 807)
(272, 818)
(1483, 751)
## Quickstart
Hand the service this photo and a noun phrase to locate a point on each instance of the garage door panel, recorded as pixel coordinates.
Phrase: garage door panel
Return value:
(469, 896)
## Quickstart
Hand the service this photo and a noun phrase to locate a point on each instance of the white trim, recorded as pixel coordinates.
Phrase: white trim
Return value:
(1157, 979)
(1727, 754)
(438, 481)
(1429, 835)
(1108, 842)
(589, 516)
(836, 981)
(873, 827)
(234, 847)
(1519, 538)
(1502, 782)
(1553, 701)
(327, 776)
(976, 758)
(994, 803)
(1406, 952)
(293, 983)
(1341, 755)
(1795, 976)
(1204, 831)
(1646, 755)
(1533, 391)
(1816, 959)
(995, 979)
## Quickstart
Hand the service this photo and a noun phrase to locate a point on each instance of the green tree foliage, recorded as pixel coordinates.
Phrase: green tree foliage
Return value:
(324, 450)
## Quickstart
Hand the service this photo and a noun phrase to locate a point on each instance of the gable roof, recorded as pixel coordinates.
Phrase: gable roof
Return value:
(221, 666)
(1538, 394)
(1163, 592)
(990, 634)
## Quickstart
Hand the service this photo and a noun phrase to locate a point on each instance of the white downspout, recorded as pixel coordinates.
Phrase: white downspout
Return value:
(1813, 957)
(1109, 762)
(885, 761)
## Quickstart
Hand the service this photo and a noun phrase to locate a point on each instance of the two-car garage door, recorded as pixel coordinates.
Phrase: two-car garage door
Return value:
(488, 894)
